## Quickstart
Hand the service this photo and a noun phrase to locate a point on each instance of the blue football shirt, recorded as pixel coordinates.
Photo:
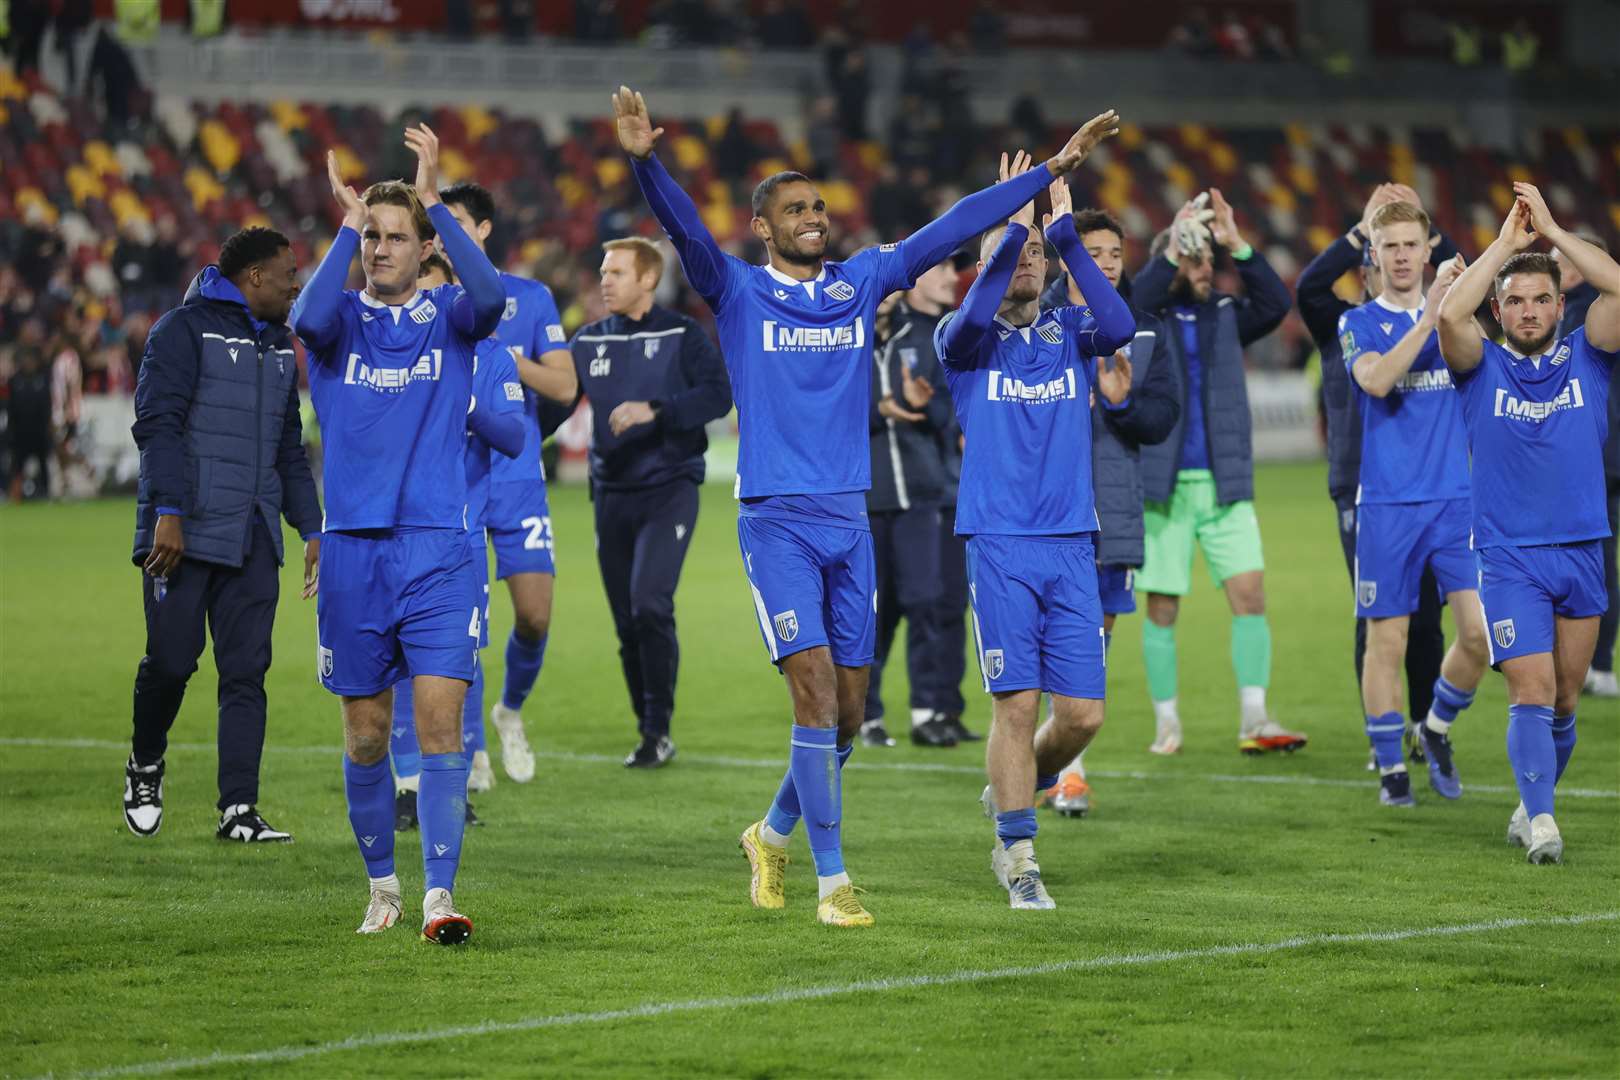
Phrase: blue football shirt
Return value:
(1023, 398)
(1413, 445)
(531, 325)
(391, 393)
(1536, 427)
(497, 391)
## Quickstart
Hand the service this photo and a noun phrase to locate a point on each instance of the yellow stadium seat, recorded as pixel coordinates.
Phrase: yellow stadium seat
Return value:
(1320, 238)
(611, 171)
(453, 165)
(204, 188)
(714, 127)
(1181, 176)
(1502, 199)
(871, 154)
(840, 196)
(800, 152)
(100, 157)
(720, 221)
(1303, 178)
(126, 206)
(1130, 137)
(33, 197)
(84, 184)
(1282, 198)
(1298, 135)
(1223, 158)
(479, 122)
(771, 165)
(288, 116)
(1193, 136)
(350, 167)
(219, 146)
(691, 152)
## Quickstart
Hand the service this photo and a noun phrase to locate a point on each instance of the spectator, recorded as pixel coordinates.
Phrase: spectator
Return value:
(785, 24)
(987, 29)
(597, 21)
(1467, 42)
(1519, 47)
(28, 424)
(1233, 38)
(822, 136)
(110, 62)
(1193, 35)
(735, 153)
(851, 83)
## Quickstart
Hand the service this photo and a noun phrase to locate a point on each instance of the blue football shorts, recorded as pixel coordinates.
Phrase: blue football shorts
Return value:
(1036, 616)
(395, 603)
(519, 524)
(1396, 541)
(1523, 588)
(812, 585)
(1115, 589)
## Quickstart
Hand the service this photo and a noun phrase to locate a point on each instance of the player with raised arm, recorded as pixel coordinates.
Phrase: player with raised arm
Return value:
(391, 373)
(1412, 505)
(1536, 411)
(1023, 381)
(519, 513)
(796, 335)
(494, 427)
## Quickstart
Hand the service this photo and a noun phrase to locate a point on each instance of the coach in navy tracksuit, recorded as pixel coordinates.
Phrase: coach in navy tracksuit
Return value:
(654, 379)
(911, 407)
(1320, 307)
(222, 457)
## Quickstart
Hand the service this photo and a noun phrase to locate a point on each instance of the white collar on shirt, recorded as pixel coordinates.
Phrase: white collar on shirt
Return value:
(371, 301)
(809, 286)
(1416, 313)
(1538, 358)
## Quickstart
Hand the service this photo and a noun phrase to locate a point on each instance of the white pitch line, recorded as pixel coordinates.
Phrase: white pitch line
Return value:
(886, 766)
(281, 1054)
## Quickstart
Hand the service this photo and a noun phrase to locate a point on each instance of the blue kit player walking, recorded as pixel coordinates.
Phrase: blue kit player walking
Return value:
(796, 336)
(519, 516)
(391, 372)
(494, 426)
(1536, 410)
(1413, 510)
(1023, 382)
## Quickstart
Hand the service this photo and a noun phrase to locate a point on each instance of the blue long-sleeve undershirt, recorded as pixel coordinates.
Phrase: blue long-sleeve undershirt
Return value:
(701, 258)
(969, 216)
(502, 432)
(1115, 324)
(962, 335)
(316, 316)
(477, 311)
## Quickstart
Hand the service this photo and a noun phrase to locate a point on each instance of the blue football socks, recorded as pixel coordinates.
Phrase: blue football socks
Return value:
(818, 783)
(1015, 825)
(1384, 732)
(523, 660)
(472, 715)
(1448, 702)
(1563, 733)
(1533, 752)
(371, 813)
(402, 744)
(441, 807)
(784, 813)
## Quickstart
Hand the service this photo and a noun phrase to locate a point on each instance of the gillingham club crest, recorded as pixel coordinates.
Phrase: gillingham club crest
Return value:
(787, 625)
(323, 657)
(994, 665)
(1503, 634)
(1366, 592)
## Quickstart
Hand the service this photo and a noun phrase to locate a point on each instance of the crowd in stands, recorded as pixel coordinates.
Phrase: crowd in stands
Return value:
(104, 220)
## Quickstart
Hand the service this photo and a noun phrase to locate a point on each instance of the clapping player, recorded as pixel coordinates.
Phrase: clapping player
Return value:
(1536, 411)
(1022, 381)
(391, 373)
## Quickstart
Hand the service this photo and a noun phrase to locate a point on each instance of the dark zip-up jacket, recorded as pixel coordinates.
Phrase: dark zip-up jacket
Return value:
(1117, 435)
(664, 358)
(1226, 325)
(907, 466)
(1321, 307)
(217, 424)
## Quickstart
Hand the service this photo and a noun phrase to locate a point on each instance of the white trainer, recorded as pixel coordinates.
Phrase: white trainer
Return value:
(1546, 846)
(1025, 890)
(481, 777)
(1167, 736)
(516, 757)
(1602, 684)
(383, 911)
(441, 922)
(1518, 833)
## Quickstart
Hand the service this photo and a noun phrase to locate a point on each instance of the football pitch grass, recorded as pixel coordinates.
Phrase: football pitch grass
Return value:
(1217, 914)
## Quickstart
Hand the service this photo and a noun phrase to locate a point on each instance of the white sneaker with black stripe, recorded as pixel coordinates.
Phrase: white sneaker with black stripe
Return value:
(143, 797)
(243, 823)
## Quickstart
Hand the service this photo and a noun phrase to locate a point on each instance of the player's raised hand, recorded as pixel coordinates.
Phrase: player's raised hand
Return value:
(1114, 378)
(425, 145)
(1018, 165)
(1541, 219)
(1515, 232)
(1381, 196)
(1190, 230)
(354, 211)
(636, 133)
(1444, 277)
(1223, 226)
(889, 409)
(1083, 142)
(1062, 202)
